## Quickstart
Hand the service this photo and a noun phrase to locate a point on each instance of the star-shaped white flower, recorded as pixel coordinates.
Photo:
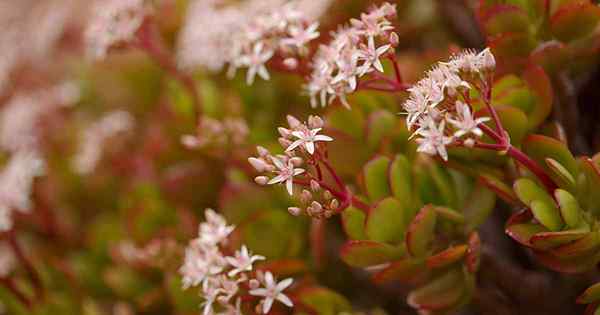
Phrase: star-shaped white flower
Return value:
(465, 122)
(285, 173)
(242, 261)
(273, 291)
(215, 230)
(307, 138)
(299, 36)
(370, 55)
(433, 140)
(256, 62)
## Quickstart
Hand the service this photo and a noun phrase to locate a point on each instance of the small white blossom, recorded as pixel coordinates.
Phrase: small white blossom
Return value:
(370, 55)
(465, 123)
(215, 229)
(285, 173)
(255, 61)
(307, 138)
(273, 291)
(242, 261)
(433, 141)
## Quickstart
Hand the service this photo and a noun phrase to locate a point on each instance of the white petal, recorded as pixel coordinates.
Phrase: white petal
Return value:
(285, 300)
(294, 145)
(284, 284)
(310, 147)
(258, 292)
(277, 179)
(268, 302)
(323, 138)
(289, 185)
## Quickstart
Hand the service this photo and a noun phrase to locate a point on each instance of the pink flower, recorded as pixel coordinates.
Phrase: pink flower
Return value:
(242, 261)
(285, 173)
(272, 291)
(307, 138)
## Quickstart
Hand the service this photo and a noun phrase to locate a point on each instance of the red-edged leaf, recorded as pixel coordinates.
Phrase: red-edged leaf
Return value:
(439, 294)
(447, 257)
(522, 216)
(581, 247)
(421, 231)
(591, 294)
(410, 270)
(284, 267)
(574, 265)
(504, 18)
(551, 55)
(523, 232)
(547, 240)
(473, 258)
(539, 83)
(369, 253)
(575, 20)
(501, 189)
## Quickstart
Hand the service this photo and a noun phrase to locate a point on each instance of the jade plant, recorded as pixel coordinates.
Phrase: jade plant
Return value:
(308, 157)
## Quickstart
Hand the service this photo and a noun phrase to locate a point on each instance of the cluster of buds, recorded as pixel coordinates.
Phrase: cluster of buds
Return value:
(16, 181)
(114, 23)
(215, 133)
(317, 202)
(439, 108)
(222, 279)
(354, 52)
(245, 36)
(300, 139)
(94, 138)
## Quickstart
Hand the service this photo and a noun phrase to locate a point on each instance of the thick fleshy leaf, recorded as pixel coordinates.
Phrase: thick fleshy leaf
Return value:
(513, 119)
(501, 189)
(551, 55)
(512, 45)
(375, 174)
(540, 85)
(478, 207)
(548, 240)
(574, 20)
(540, 148)
(284, 267)
(353, 222)
(369, 253)
(547, 214)
(323, 301)
(581, 247)
(385, 222)
(589, 190)
(569, 208)
(401, 179)
(528, 191)
(380, 124)
(445, 213)
(560, 175)
(504, 18)
(350, 122)
(574, 265)
(523, 232)
(590, 295)
(521, 216)
(447, 257)
(409, 270)
(439, 294)
(473, 258)
(421, 231)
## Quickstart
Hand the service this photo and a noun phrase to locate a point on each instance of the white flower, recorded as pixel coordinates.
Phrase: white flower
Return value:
(370, 55)
(215, 230)
(210, 291)
(433, 140)
(307, 138)
(465, 122)
(256, 63)
(273, 291)
(200, 263)
(285, 173)
(300, 36)
(242, 261)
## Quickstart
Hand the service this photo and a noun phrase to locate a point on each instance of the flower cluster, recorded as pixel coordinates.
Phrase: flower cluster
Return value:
(439, 107)
(16, 180)
(316, 202)
(222, 278)
(299, 139)
(94, 137)
(113, 22)
(355, 51)
(212, 132)
(245, 36)
(20, 117)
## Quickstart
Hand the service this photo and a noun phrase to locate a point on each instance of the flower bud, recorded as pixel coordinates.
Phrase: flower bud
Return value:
(295, 211)
(261, 180)
(314, 185)
(291, 63)
(328, 214)
(286, 133)
(293, 121)
(259, 164)
(469, 143)
(190, 142)
(487, 59)
(327, 195)
(334, 204)
(316, 207)
(284, 142)
(315, 122)
(305, 196)
(262, 151)
(394, 39)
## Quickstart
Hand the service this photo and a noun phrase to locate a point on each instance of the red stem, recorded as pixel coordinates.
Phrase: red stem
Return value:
(10, 286)
(396, 68)
(29, 268)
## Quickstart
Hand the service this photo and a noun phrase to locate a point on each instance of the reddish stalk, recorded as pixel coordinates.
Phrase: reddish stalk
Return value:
(11, 286)
(151, 42)
(397, 73)
(27, 264)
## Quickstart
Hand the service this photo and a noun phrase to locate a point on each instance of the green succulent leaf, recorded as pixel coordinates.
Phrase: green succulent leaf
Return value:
(523, 232)
(590, 295)
(548, 240)
(478, 207)
(528, 191)
(386, 222)
(569, 208)
(375, 174)
(505, 18)
(421, 231)
(369, 253)
(408, 270)
(353, 221)
(439, 294)
(540, 148)
(447, 257)
(324, 301)
(401, 179)
(547, 214)
(380, 124)
(574, 20)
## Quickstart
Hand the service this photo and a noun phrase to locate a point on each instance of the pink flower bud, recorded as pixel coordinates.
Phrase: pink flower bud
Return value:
(315, 122)
(291, 63)
(253, 284)
(297, 161)
(316, 206)
(394, 39)
(295, 211)
(305, 196)
(262, 151)
(286, 133)
(314, 185)
(261, 180)
(259, 164)
(284, 142)
(293, 121)
(469, 143)
(190, 142)
(334, 204)
(327, 195)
